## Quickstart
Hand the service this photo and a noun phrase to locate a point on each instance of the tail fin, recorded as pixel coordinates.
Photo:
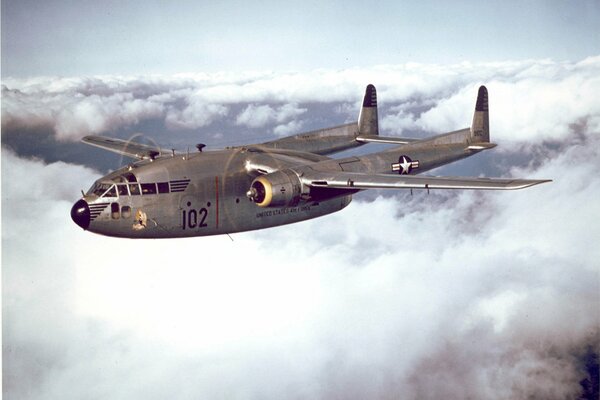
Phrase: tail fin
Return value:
(368, 121)
(480, 128)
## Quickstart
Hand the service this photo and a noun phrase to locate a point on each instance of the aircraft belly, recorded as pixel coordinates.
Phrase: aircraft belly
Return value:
(238, 214)
(193, 221)
(251, 217)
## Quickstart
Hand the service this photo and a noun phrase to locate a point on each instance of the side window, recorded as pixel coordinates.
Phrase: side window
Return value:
(163, 187)
(114, 210)
(125, 211)
(134, 189)
(122, 190)
(148, 188)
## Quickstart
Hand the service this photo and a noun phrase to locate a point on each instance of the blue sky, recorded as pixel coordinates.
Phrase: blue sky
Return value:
(70, 38)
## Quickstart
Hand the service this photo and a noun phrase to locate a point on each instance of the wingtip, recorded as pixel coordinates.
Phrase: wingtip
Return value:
(540, 181)
(90, 138)
(526, 183)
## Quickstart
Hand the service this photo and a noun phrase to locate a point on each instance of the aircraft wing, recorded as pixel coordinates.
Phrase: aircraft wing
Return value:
(322, 141)
(332, 140)
(129, 149)
(356, 180)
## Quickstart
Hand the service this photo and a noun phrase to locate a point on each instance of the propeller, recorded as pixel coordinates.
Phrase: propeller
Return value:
(135, 136)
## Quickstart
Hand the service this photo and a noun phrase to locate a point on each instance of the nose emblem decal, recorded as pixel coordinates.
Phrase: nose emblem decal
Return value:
(141, 220)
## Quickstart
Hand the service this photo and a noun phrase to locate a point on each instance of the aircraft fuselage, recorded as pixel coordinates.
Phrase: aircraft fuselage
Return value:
(197, 195)
(205, 193)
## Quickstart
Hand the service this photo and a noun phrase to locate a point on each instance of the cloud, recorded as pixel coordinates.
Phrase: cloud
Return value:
(289, 128)
(454, 295)
(94, 114)
(194, 115)
(448, 295)
(257, 116)
(531, 100)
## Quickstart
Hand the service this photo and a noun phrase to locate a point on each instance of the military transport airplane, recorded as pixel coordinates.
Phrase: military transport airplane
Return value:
(167, 195)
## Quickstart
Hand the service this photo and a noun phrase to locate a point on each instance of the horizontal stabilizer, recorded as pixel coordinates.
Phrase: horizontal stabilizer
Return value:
(482, 146)
(355, 180)
(383, 139)
(125, 148)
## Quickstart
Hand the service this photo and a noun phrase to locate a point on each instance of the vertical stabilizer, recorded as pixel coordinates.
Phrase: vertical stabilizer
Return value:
(368, 120)
(480, 128)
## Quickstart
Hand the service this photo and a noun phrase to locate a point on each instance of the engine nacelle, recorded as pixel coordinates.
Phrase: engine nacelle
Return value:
(277, 189)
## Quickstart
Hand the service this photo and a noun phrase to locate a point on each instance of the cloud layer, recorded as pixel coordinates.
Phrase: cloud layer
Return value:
(449, 295)
(456, 295)
(530, 100)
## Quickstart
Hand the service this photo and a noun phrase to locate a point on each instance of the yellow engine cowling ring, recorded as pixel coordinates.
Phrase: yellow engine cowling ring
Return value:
(278, 189)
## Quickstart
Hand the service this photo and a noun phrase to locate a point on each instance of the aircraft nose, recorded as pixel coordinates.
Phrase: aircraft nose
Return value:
(80, 213)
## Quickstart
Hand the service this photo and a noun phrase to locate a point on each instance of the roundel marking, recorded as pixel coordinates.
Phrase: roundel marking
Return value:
(405, 165)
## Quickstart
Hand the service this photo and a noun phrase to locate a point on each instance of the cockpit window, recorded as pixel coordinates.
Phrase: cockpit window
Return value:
(122, 190)
(148, 188)
(134, 189)
(112, 192)
(100, 188)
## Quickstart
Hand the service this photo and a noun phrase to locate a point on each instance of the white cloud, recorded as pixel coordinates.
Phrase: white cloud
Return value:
(258, 116)
(540, 102)
(530, 100)
(398, 123)
(454, 295)
(194, 116)
(289, 128)
(94, 114)
(255, 116)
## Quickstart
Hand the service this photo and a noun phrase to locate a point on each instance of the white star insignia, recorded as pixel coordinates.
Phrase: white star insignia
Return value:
(405, 164)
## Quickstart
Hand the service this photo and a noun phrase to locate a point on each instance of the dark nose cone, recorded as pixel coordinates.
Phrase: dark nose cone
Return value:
(80, 213)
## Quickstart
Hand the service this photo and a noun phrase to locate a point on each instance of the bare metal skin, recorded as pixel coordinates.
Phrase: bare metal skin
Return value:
(274, 183)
